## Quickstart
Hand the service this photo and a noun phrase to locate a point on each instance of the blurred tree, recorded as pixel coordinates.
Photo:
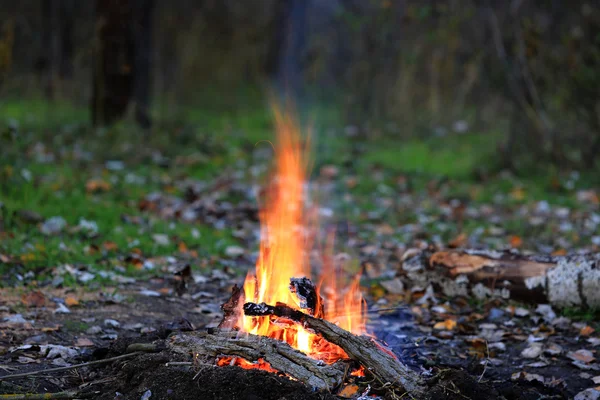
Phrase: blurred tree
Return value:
(122, 60)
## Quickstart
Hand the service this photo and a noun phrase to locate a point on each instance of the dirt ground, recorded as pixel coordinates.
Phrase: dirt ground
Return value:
(463, 361)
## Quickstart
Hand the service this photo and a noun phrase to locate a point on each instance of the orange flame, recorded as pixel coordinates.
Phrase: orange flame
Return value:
(286, 240)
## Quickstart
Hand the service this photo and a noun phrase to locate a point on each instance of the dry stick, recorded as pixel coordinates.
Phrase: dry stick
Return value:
(51, 396)
(42, 371)
(487, 360)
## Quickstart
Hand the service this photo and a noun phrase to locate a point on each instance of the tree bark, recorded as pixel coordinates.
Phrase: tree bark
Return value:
(565, 281)
(114, 61)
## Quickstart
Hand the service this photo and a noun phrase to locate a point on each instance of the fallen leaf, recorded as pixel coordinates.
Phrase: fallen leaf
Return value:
(182, 247)
(586, 330)
(110, 246)
(161, 239)
(393, 286)
(51, 328)
(34, 299)
(517, 193)
(62, 309)
(582, 355)
(83, 342)
(588, 394)
(533, 351)
(458, 241)
(527, 376)
(71, 301)
(515, 241)
(349, 391)
(447, 325)
(234, 251)
(96, 186)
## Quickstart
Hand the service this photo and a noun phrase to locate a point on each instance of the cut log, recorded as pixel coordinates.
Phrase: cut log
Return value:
(382, 363)
(279, 355)
(562, 281)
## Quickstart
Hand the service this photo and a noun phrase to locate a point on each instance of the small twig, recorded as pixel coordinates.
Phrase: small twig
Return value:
(43, 396)
(177, 363)
(487, 360)
(42, 371)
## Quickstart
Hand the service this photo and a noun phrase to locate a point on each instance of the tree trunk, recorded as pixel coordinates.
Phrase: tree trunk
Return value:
(48, 63)
(67, 22)
(569, 281)
(114, 61)
(144, 10)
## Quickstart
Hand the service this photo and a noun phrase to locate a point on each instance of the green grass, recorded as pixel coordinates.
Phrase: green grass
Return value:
(454, 156)
(214, 138)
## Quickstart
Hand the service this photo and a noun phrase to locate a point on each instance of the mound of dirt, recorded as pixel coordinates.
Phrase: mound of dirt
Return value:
(148, 372)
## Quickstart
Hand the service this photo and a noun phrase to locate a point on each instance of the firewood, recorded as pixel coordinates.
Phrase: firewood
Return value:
(307, 293)
(563, 281)
(278, 354)
(232, 309)
(382, 363)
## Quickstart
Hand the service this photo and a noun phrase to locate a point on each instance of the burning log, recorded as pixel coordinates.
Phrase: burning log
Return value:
(379, 361)
(281, 356)
(232, 308)
(306, 291)
(563, 281)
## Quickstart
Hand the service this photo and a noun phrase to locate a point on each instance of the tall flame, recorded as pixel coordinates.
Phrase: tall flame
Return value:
(286, 241)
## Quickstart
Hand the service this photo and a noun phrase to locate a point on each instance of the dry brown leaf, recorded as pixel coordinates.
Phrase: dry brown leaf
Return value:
(586, 330)
(83, 342)
(583, 355)
(51, 328)
(447, 325)
(34, 299)
(182, 247)
(71, 301)
(458, 241)
(110, 246)
(349, 391)
(515, 241)
(96, 186)
(517, 193)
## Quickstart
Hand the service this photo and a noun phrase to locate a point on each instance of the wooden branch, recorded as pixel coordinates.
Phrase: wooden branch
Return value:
(566, 281)
(382, 363)
(278, 354)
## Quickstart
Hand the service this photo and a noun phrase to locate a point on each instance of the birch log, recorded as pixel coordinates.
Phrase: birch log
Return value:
(562, 281)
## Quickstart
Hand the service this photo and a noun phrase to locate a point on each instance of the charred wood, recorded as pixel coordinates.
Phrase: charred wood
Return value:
(382, 363)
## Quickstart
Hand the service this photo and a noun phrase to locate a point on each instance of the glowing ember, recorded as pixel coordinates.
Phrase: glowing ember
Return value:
(286, 232)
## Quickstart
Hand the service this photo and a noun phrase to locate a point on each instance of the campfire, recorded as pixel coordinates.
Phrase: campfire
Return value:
(284, 321)
(283, 272)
